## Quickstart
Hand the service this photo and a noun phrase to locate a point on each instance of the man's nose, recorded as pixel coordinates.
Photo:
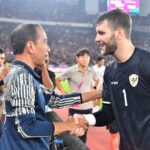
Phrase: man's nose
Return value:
(96, 39)
(48, 49)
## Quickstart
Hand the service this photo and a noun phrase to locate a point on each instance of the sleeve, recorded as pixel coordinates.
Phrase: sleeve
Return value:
(106, 93)
(54, 100)
(23, 103)
(65, 75)
(52, 77)
(30, 127)
(144, 66)
(106, 115)
(95, 76)
(100, 118)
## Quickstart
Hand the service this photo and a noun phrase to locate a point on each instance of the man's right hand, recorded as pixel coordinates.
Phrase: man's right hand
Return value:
(88, 118)
(78, 118)
(78, 128)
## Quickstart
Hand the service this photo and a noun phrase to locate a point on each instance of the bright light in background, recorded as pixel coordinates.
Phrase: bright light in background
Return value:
(130, 6)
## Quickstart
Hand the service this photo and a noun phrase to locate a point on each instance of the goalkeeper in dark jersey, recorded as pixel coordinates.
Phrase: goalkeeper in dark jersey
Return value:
(126, 88)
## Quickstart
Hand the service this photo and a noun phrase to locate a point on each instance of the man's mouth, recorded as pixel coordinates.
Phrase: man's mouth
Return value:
(102, 45)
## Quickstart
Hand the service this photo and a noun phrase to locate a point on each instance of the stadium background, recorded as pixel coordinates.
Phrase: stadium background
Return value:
(70, 25)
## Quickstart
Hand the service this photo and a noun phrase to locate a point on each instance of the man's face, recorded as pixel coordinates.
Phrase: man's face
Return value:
(101, 63)
(47, 59)
(41, 48)
(84, 60)
(105, 38)
(2, 59)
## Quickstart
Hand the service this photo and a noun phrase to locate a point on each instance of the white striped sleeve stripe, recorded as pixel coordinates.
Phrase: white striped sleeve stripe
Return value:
(57, 102)
(23, 100)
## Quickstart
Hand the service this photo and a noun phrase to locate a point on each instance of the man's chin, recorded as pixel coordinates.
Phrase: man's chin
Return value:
(107, 52)
(104, 52)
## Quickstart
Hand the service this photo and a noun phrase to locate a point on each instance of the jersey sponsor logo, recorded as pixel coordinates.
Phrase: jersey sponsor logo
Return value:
(133, 79)
(114, 82)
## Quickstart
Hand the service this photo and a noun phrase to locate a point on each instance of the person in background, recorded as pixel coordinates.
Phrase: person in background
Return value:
(99, 68)
(25, 125)
(51, 73)
(2, 58)
(47, 76)
(3, 72)
(80, 78)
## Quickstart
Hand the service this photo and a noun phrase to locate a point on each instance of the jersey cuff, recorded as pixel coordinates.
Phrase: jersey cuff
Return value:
(81, 98)
(95, 109)
(90, 119)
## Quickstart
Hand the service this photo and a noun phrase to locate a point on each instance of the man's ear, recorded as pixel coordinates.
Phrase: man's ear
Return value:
(77, 59)
(30, 46)
(119, 33)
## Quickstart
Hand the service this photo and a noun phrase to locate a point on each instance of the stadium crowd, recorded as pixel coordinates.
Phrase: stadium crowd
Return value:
(64, 40)
(51, 10)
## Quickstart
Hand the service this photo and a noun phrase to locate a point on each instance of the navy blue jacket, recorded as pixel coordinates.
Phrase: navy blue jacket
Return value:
(25, 126)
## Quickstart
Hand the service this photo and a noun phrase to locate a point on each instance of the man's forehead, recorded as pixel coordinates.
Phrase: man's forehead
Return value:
(85, 54)
(102, 23)
(103, 26)
(41, 31)
(2, 55)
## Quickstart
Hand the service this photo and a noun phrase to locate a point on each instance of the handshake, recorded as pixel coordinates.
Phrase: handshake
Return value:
(77, 124)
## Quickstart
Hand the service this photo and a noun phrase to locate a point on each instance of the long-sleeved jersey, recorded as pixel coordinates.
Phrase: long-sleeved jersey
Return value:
(25, 125)
(127, 99)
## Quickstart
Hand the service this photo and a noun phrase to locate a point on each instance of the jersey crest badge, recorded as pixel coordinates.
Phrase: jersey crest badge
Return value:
(133, 79)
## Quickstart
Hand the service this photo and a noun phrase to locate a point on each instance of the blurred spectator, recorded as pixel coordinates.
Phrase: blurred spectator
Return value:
(65, 39)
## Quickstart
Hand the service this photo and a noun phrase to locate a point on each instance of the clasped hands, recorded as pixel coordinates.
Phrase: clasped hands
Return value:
(78, 125)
